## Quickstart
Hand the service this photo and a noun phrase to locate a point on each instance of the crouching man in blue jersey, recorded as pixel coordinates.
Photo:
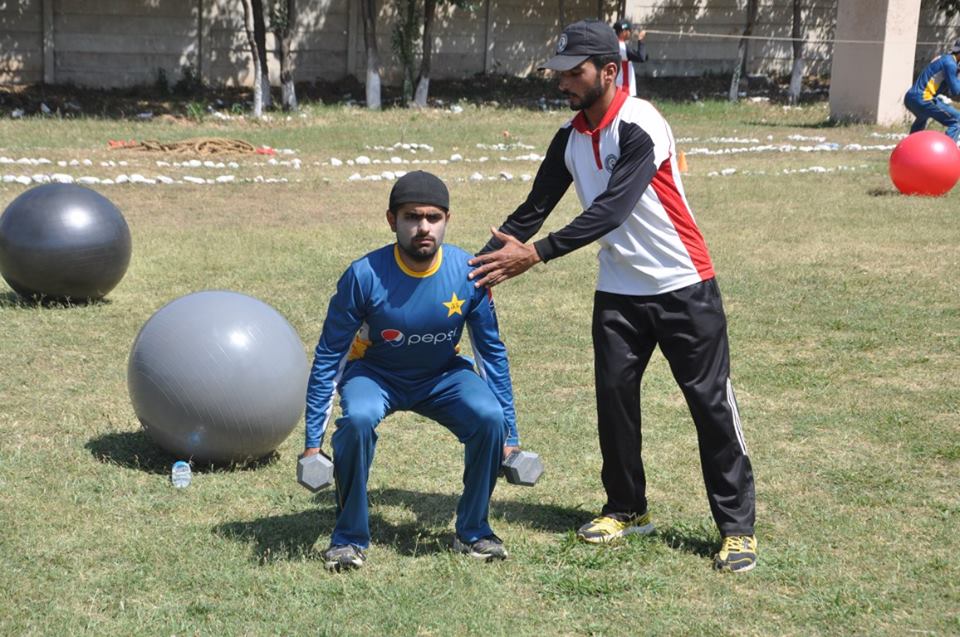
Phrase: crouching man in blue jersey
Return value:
(923, 99)
(390, 343)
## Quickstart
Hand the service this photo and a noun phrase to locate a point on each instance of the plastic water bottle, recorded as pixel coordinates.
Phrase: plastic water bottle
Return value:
(180, 474)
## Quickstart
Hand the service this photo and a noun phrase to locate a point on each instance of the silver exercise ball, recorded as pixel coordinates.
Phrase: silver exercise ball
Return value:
(63, 241)
(218, 376)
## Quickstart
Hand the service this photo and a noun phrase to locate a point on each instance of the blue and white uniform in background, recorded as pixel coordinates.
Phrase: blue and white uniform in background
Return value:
(390, 343)
(938, 78)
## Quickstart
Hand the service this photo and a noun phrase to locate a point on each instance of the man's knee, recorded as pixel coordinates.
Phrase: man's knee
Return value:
(490, 414)
(358, 422)
(610, 386)
(487, 416)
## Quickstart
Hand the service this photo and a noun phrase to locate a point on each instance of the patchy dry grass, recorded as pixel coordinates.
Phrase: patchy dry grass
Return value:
(845, 332)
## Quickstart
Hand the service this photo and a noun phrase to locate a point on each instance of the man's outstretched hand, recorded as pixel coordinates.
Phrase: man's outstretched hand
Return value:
(496, 267)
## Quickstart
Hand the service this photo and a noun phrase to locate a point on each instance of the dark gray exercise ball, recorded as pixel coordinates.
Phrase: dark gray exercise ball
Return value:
(218, 377)
(63, 241)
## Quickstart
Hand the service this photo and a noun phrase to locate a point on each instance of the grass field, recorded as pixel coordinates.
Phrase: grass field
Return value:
(842, 298)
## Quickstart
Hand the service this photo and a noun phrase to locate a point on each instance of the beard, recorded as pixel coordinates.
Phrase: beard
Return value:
(419, 254)
(589, 98)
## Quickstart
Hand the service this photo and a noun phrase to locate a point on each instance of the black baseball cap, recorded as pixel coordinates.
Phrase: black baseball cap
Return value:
(956, 47)
(420, 187)
(622, 25)
(580, 41)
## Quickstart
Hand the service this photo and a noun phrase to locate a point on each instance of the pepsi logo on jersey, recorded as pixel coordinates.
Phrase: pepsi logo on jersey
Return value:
(396, 338)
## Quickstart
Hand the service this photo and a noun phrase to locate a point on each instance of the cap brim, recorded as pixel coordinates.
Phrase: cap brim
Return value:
(564, 62)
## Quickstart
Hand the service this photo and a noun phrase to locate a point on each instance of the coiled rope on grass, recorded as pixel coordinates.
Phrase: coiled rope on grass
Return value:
(195, 146)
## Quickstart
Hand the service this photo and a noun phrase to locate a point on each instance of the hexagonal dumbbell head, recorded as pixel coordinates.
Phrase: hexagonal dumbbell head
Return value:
(523, 468)
(315, 472)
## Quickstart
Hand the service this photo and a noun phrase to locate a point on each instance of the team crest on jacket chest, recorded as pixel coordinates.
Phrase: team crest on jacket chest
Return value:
(610, 162)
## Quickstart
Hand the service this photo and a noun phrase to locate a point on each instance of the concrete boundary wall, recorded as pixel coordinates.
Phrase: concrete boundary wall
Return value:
(121, 43)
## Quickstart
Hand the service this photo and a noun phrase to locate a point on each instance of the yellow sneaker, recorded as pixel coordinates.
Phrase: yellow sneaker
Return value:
(612, 526)
(737, 555)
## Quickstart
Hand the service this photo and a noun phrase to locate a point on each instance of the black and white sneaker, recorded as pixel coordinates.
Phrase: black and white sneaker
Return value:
(343, 557)
(486, 548)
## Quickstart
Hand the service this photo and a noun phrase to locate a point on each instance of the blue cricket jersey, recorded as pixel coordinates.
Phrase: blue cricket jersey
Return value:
(939, 77)
(406, 325)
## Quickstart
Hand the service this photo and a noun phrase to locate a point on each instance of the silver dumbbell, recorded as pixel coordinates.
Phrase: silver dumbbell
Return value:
(523, 468)
(315, 472)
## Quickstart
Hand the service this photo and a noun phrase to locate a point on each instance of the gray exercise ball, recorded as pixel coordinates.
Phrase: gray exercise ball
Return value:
(63, 241)
(218, 376)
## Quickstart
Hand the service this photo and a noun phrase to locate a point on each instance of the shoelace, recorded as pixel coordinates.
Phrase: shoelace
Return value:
(605, 521)
(735, 544)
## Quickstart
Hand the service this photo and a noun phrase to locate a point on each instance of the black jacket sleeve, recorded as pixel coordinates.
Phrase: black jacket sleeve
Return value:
(639, 54)
(631, 176)
(551, 183)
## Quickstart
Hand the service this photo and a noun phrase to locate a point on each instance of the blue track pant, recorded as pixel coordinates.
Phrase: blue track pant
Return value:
(936, 110)
(458, 399)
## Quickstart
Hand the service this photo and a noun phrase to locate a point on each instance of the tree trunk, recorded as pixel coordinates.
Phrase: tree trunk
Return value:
(796, 75)
(260, 33)
(248, 23)
(741, 62)
(282, 21)
(373, 54)
(423, 82)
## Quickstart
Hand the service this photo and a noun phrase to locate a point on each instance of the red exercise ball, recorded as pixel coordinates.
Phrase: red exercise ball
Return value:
(925, 163)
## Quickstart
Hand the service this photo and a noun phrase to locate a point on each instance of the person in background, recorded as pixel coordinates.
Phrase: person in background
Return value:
(938, 79)
(629, 54)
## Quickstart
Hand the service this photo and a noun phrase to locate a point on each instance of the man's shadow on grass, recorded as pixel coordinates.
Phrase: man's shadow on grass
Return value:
(296, 535)
(135, 450)
(698, 541)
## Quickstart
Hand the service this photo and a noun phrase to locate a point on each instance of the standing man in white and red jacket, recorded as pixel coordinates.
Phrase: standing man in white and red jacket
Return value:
(656, 286)
(629, 54)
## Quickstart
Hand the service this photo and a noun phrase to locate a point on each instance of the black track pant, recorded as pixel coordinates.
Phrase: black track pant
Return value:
(690, 327)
